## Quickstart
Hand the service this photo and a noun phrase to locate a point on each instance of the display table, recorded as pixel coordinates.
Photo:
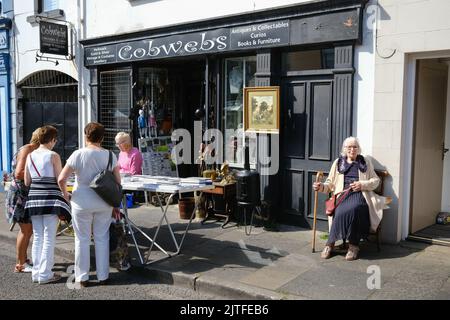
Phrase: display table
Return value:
(161, 185)
(225, 193)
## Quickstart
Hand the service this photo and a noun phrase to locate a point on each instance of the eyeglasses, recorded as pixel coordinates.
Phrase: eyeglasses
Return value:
(351, 147)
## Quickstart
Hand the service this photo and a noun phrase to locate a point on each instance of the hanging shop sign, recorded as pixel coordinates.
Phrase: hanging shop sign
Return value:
(53, 38)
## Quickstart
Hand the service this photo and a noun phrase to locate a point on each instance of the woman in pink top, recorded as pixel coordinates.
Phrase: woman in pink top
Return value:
(130, 158)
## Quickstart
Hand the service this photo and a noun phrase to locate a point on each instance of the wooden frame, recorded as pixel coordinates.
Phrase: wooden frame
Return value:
(256, 119)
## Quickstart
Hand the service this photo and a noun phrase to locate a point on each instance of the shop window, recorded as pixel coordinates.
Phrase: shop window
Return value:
(154, 99)
(308, 60)
(239, 73)
(47, 5)
(115, 100)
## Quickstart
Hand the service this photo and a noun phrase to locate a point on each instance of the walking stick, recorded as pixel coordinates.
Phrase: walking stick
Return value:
(316, 195)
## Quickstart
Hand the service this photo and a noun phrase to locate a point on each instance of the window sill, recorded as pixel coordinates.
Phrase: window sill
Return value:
(52, 14)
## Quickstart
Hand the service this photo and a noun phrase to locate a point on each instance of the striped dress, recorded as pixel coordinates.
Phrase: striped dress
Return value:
(44, 196)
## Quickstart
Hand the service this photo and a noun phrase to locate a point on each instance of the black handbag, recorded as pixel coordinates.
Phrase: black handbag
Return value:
(106, 186)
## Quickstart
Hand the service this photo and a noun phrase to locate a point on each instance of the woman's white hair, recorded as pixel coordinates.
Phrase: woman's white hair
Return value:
(123, 137)
(347, 141)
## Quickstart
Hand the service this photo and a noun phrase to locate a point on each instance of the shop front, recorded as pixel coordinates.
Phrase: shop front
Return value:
(173, 76)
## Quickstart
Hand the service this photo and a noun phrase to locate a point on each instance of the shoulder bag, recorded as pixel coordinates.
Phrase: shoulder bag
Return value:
(331, 204)
(106, 186)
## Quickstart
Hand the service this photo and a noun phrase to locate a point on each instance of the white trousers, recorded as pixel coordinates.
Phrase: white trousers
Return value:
(83, 223)
(44, 236)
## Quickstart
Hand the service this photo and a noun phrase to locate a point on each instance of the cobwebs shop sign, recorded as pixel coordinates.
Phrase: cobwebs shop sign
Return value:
(53, 38)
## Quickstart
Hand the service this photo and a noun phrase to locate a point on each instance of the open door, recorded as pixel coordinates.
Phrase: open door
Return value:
(429, 135)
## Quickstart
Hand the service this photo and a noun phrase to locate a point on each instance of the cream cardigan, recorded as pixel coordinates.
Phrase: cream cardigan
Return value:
(369, 182)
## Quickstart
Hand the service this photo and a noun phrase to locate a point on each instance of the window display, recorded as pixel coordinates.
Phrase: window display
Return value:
(239, 73)
(153, 101)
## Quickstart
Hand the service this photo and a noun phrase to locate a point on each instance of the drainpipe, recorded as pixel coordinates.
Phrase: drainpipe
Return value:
(8, 120)
(8, 96)
(82, 112)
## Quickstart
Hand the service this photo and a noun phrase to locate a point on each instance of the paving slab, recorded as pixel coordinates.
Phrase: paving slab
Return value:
(279, 273)
(328, 282)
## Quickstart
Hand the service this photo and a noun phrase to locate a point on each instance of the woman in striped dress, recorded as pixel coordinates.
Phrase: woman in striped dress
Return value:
(45, 203)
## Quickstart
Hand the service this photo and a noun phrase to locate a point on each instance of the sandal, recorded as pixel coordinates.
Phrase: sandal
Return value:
(25, 268)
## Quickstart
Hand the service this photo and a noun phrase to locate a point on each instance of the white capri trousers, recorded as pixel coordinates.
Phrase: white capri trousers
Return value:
(83, 222)
(43, 248)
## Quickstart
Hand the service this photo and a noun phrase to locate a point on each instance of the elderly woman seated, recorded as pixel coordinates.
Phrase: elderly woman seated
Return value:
(361, 209)
(130, 158)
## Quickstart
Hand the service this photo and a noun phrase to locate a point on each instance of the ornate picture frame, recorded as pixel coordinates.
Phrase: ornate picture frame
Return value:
(262, 109)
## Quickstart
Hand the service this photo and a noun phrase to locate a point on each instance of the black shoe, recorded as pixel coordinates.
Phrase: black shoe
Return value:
(85, 284)
(103, 282)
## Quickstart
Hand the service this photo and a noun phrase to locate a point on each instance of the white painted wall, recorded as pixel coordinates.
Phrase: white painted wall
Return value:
(410, 30)
(364, 82)
(122, 16)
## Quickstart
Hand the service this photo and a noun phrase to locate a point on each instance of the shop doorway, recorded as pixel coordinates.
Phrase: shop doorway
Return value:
(308, 143)
(431, 162)
(50, 98)
(309, 133)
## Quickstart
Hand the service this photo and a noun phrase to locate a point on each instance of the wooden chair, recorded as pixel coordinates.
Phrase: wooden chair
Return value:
(382, 174)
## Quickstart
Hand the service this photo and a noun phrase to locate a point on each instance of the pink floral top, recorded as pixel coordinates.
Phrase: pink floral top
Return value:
(130, 162)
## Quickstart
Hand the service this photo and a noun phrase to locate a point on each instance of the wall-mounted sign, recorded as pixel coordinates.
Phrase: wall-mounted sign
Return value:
(4, 62)
(211, 41)
(53, 38)
(177, 45)
(260, 35)
(328, 27)
(4, 43)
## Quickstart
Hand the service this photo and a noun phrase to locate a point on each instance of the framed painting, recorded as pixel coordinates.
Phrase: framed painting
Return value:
(262, 109)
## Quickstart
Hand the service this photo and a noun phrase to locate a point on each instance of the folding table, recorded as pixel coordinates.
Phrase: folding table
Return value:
(160, 185)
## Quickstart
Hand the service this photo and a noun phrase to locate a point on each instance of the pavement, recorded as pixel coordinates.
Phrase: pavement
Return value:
(276, 265)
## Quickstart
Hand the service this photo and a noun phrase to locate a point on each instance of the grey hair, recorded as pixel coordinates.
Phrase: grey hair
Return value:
(347, 140)
(123, 137)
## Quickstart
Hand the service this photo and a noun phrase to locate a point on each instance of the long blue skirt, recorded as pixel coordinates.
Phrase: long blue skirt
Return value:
(351, 220)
